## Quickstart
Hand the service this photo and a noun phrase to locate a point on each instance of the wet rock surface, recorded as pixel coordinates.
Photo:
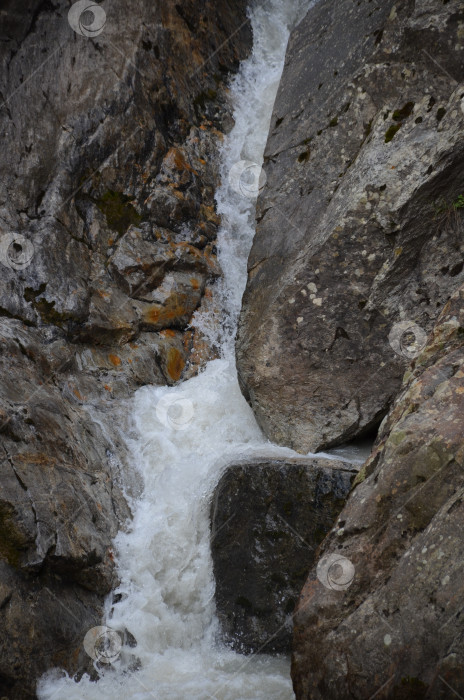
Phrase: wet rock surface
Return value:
(356, 226)
(398, 626)
(107, 232)
(267, 518)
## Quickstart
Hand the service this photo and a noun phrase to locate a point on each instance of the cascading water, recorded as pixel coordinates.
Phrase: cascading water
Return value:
(186, 434)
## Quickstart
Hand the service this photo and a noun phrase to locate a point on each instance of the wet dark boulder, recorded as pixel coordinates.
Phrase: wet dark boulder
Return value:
(268, 517)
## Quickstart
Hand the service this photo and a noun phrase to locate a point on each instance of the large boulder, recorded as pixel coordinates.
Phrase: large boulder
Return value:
(357, 229)
(267, 518)
(394, 627)
(110, 138)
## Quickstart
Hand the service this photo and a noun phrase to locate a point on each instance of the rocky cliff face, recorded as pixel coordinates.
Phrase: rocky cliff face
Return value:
(397, 625)
(357, 236)
(110, 125)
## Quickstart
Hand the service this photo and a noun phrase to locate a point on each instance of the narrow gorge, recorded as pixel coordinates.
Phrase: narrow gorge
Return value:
(231, 320)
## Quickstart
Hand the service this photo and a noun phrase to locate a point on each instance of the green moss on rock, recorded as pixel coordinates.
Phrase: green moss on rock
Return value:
(118, 211)
(391, 132)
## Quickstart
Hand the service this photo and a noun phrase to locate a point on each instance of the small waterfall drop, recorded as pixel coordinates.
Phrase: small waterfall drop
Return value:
(185, 436)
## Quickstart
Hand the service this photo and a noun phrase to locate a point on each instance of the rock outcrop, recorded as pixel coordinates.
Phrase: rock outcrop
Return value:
(268, 516)
(357, 226)
(110, 121)
(398, 625)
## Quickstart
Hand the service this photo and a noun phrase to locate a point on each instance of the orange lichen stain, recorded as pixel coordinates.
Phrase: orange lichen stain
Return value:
(175, 364)
(153, 314)
(202, 127)
(202, 161)
(460, 390)
(129, 361)
(108, 388)
(115, 360)
(175, 308)
(110, 241)
(101, 293)
(99, 506)
(209, 213)
(168, 333)
(208, 293)
(77, 393)
(195, 283)
(175, 158)
(37, 458)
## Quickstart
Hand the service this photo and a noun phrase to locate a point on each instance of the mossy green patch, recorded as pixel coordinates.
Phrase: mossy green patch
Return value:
(12, 541)
(391, 132)
(118, 211)
(46, 309)
(410, 689)
(459, 202)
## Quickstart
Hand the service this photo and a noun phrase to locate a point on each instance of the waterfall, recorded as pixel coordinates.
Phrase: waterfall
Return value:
(185, 435)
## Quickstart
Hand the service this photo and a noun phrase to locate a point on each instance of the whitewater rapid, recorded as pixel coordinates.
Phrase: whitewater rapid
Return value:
(184, 437)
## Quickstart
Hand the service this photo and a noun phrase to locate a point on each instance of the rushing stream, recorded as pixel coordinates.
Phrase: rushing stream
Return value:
(186, 435)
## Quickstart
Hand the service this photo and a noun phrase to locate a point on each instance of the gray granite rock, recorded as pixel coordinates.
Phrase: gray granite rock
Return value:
(356, 226)
(396, 629)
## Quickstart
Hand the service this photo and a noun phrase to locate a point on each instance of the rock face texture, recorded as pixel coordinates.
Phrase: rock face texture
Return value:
(398, 626)
(267, 519)
(357, 231)
(110, 134)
